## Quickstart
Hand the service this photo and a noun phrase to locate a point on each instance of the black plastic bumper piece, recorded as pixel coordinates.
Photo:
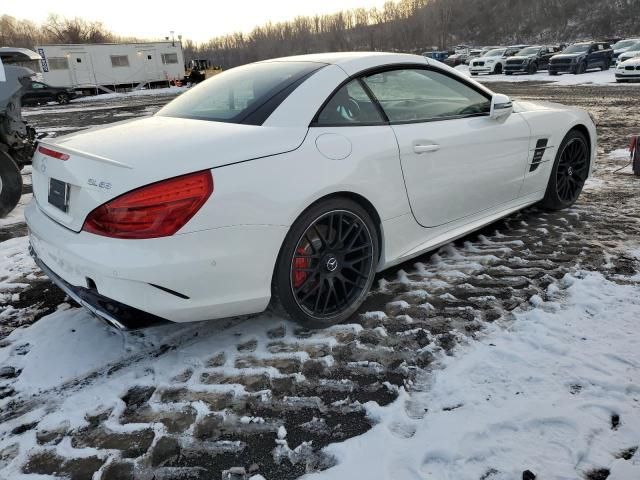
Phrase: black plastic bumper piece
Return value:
(110, 311)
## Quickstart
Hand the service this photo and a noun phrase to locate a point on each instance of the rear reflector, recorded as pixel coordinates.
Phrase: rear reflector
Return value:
(52, 153)
(156, 210)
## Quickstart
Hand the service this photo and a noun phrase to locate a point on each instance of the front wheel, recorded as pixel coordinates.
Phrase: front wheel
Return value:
(581, 68)
(62, 98)
(327, 263)
(569, 172)
(10, 184)
(533, 68)
(498, 69)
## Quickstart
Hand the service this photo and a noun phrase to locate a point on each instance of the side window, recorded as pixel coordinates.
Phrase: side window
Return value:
(351, 105)
(37, 85)
(413, 95)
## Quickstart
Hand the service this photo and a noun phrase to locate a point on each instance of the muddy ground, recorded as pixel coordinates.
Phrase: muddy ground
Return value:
(316, 383)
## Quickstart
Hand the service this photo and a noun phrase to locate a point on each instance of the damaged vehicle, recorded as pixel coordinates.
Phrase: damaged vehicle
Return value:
(17, 139)
(314, 173)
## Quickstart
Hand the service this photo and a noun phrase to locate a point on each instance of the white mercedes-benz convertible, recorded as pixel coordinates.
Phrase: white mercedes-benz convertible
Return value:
(292, 181)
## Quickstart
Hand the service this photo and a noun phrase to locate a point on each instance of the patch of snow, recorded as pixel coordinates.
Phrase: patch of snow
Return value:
(17, 214)
(539, 396)
(170, 91)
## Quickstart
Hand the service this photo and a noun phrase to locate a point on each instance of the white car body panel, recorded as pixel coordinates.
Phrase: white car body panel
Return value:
(265, 176)
(628, 70)
(488, 64)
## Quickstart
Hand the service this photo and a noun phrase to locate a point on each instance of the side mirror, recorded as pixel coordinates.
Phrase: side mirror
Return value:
(501, 106)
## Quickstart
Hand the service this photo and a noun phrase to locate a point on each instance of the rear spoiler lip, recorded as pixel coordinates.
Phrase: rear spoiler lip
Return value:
(92, 156)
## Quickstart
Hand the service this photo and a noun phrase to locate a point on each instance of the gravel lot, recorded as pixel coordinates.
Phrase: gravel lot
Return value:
(190, 401)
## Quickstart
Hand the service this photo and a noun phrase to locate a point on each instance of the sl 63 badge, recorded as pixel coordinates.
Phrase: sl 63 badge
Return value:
(100, 184)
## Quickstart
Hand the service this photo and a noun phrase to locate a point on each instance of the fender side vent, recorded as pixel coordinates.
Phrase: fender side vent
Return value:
(168, 290)
(541, 146)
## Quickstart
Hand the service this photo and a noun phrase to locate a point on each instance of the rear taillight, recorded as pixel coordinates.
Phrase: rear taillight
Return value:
(52, 153)
(156, 210)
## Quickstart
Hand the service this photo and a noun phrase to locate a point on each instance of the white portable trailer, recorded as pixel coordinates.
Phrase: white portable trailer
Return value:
(111, 66)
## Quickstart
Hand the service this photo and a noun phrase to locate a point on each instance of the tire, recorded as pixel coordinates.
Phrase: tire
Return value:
(508, 73)
(553, 74)
(607, 65)
(474, 74)
(10, 184)
(317, 281)
(581, 68)
(569, 172)
(498, 69)
(62, 98)
(533, 68)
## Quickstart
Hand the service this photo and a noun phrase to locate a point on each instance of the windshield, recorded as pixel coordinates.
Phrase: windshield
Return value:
(578, 48)
(237, 93)
(498, 52)
(529, 51)
(623, 44)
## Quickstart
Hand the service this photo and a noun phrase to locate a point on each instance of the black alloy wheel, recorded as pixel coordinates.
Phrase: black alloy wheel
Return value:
(572, 170)
(327, 263)
(569, 173)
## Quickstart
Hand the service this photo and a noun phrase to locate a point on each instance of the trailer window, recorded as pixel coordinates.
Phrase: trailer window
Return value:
(58, 63)
(119, 61)
(169, 58)
(242, 94)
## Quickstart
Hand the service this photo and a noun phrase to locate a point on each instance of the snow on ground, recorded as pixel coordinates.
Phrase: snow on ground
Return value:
(597, 77)
(136, 93)
(557, 392)
(17, 215)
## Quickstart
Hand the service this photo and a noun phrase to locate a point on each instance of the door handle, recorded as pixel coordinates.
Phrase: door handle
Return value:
(425, 148)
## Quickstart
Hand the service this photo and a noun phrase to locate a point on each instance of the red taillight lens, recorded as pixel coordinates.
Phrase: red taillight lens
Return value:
(157, 210)
(52, 153)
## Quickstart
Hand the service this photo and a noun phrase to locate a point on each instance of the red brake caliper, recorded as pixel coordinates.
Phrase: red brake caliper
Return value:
(300, 262)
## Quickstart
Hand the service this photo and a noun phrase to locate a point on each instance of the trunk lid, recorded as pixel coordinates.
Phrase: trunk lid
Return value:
(108, 161)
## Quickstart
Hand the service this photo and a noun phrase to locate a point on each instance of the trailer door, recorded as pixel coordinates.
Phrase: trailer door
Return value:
(150, 69)
(82, 69)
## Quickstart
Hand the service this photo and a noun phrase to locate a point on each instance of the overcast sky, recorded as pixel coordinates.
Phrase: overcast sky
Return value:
(198, 20)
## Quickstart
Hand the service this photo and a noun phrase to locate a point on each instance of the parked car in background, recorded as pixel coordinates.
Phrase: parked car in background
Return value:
(631, 53)
(628, 71)
(530, 60)
(456, 59)
(623, 45)
(484, 50)
(493, 61)
(440, 56)
(473, 54)
(37, 92)
(580, 57)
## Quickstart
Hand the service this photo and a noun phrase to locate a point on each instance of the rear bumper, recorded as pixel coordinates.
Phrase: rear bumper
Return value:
(114, 313)
(203, 275)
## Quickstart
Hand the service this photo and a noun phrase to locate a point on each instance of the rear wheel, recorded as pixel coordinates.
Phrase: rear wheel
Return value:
(327, 263)
(10, 184)
(569, 172)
